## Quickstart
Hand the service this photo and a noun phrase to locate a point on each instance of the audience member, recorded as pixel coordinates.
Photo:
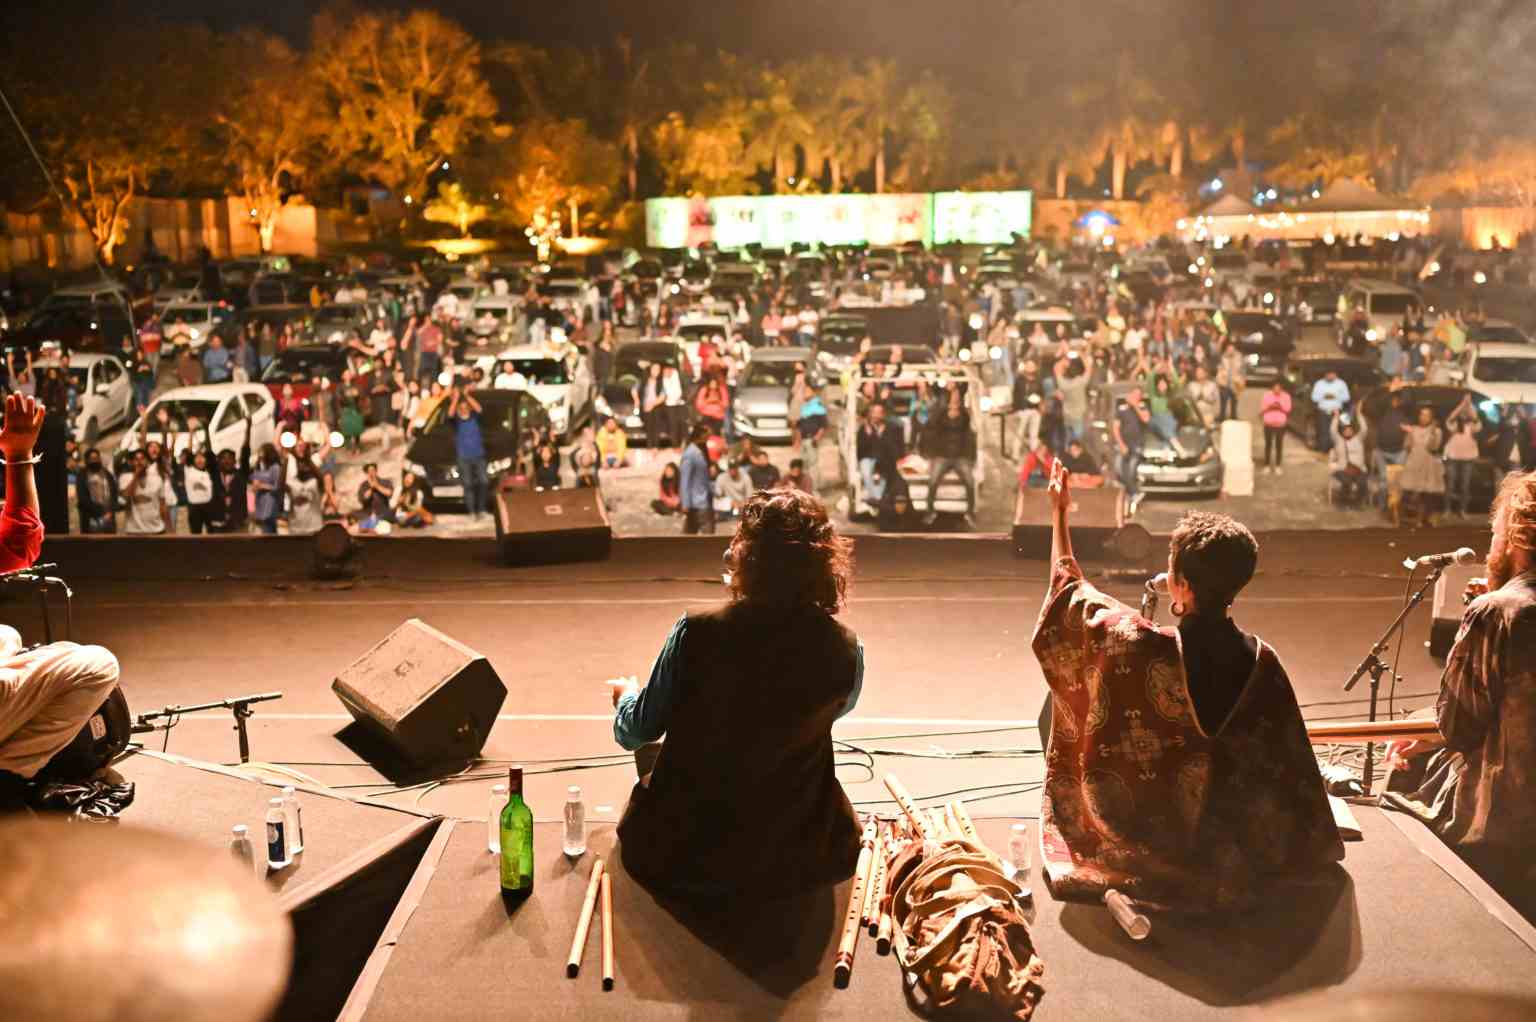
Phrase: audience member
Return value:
(613, 444)
(96, 495)
(1275, 412)
(1346, 461)
(669, 499)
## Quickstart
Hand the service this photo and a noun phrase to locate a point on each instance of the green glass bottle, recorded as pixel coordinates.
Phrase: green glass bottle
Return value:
(516, 840)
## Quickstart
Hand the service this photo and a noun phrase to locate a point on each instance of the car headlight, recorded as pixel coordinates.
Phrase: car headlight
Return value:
(1371, 335)
(986, 403)
(497, 467)
(194, 333)
(1253, 360)
(417, 470)
(601, 404)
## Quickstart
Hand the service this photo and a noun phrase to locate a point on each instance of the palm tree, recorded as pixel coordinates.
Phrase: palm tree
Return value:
(635, 109)
(875, 95)
(778, 123)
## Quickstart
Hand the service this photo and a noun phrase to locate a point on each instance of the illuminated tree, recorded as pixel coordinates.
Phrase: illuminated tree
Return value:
(1504, 173)
(271, 115)
(452, 205)
(549, 167)
(1309, 148)
(875, 91)
(405, 92)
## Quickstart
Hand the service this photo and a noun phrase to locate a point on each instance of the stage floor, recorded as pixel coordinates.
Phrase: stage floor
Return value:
(946, 625)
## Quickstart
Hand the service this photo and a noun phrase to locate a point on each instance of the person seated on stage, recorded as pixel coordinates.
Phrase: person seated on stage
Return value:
(1478, 792)
(743, 798)
(48, 693)
(1178, 769)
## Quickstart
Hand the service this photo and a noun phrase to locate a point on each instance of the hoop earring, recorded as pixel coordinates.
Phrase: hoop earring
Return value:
(1176, 609)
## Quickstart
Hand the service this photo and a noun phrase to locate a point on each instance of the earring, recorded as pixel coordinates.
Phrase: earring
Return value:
(1176, 609)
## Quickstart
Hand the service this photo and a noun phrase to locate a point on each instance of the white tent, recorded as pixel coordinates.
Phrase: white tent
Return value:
(1345, 208)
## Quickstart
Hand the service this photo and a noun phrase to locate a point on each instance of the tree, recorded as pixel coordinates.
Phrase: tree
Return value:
(405, 93)
(1308, 148)
(776, 124)
(453, 205)
(271, 121)
(1504, 173)
(926, 112)
(547, 166)
(876, 98)
(705, 156)
(115, 130)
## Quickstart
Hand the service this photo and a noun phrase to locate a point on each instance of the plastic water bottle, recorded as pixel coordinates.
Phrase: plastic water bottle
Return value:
(1018, 851)
(277, 835)
(240, 846)
(493, 819)
(574, 843)
(295, 824)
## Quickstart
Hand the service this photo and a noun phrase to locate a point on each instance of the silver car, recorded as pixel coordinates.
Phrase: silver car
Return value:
(762, 396)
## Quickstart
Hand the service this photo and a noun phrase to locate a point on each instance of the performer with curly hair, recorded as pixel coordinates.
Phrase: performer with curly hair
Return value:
(1178, 769)
(1478, 792)
(743, 797)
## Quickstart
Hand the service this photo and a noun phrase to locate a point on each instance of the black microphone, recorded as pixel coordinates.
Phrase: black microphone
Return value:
(1466, 555)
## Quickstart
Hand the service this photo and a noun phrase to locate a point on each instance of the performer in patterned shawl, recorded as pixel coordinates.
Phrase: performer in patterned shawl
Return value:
(1478, 790)
(1179, 769)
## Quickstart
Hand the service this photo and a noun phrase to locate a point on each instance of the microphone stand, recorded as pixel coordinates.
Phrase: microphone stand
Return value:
(1376, 667)
(240, 706)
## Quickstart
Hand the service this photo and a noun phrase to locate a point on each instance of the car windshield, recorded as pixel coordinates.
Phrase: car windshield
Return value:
(182, 412)
(769, 374)
(299, 364)
(1500, 333)
(537, 370)
(636, 365)
(559, 288)
(492, 312)
(77, 377)
(337, 314)
(496, 415)
(696, 270)
(1505, 370)
(1392, 305)
(1229, 261)
(188, 315)
(698, 332)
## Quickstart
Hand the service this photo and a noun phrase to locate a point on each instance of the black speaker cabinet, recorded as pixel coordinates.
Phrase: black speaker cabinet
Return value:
(552, 526)
(430, 698)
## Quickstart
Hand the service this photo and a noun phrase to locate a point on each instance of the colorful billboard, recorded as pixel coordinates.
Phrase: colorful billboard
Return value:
(779, 221)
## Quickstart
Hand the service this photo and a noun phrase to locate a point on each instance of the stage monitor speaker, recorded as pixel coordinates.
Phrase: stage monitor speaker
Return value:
(428, 697)
(552, 526)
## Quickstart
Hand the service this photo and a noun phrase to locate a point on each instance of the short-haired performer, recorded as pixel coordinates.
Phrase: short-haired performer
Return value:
(743, 799)
(1179, 770)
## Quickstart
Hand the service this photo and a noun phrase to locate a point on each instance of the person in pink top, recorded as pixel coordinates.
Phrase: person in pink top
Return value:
(1276, 412)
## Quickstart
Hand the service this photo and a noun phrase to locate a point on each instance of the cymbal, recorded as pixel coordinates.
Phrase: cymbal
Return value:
(104, 922)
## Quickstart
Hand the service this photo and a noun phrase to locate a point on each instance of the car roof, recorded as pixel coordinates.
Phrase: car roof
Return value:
(526, 351)
(781, 354)
(210, 392)
(89, 289)
(1505, 349)
(205, 306)
(1384, 286)
(507, 300)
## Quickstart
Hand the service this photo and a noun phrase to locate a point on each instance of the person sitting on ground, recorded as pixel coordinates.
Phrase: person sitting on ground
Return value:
(735, 486)
(1346, 462)
(587, 460)
(613, 444)
(48, 693)
(546, 467)
(797, 478)
(375, 498)
(1178, 766)
(1478, 789)
(764, 473)
(411, 504)
(746, 697)
(669, 499)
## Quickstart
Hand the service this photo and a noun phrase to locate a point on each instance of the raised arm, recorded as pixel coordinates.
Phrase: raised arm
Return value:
(23, 421)
(1061, 499)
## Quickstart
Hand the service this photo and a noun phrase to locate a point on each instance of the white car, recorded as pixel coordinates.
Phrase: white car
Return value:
(1504, 371)
(191, 323)
(218, 410)
(180, 289)
(562, 383)
(104, 293)
(103, 395)
(694, 327)
(494, 315)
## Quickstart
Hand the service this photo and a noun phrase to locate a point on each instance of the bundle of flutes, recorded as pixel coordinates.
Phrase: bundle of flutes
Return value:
(842, 969)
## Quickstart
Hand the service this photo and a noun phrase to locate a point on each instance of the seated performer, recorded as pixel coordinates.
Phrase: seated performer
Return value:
(46, 694)
(1178, 769)
(1479, 792)
(743, 798)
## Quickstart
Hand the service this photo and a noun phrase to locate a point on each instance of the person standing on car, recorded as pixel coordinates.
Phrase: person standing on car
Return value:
(1132, 420)
(952, 447)
(698, 500)
(469, 450)
(1231, 377)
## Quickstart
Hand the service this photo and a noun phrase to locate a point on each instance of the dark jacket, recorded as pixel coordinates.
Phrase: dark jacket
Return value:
(885, 448)
(950, 438)
(744, 796)
(94, 517)
(230, 509)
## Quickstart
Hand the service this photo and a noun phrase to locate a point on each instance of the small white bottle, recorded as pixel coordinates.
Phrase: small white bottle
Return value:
(1018, 851)
(574, 842)
(493, 819)
(240, 846)
(277, 835)
(294, 821)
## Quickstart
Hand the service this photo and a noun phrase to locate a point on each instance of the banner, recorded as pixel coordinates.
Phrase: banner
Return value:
(779, 221)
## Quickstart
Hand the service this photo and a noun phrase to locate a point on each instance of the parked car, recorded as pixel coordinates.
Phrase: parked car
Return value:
(493, 316)
(183, 286)
(72, 328)
(1306, 369)
(563, 384)
(1497, 331)
(1265, 340)
(103, 394)
(1442, 401)
(220, 411)
(1505, 372)
(1185, 464)
(762, 394)
(192, 323)
(621, 392)
(300, 364)
(507, 417)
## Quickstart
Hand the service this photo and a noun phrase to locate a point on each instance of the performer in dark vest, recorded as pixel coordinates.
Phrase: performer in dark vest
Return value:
(743, 798)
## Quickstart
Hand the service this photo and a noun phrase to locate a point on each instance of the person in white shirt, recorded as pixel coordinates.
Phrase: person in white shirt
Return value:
(508, 378)
(677, 410)
(304, 494)
(381, 338)
(1346, 461)
(198, 475)
(733, 489)
(145, 491)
